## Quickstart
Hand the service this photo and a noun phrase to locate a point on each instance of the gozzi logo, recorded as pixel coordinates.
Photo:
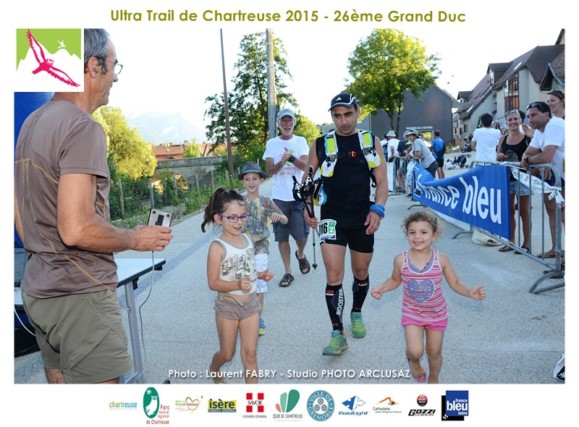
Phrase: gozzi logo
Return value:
(151, 402)
(421, 400)
(320, 405)
(49, 60)
(454, 405)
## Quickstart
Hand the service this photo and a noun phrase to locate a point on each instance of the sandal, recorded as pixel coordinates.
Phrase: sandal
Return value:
(548, 254)
(217, 377)
(523, 249)
(421, 378)
(505, 248)
(286, 280)
(304, 264)
(558, 274)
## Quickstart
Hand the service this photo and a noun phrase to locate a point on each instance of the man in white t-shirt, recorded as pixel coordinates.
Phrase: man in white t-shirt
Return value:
(392, 146)
(286, 156)
(547, 146)
(485, 140)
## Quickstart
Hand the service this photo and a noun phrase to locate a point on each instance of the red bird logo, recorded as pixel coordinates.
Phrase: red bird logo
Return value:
(45, 64)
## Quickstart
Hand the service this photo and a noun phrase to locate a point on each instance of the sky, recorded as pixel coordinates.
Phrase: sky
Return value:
(317, 59)
(172, 66)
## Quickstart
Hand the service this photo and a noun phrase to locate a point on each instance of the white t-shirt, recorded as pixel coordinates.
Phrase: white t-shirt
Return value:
(392, 148)
(486, 144)
(553, 134)
(283, 182)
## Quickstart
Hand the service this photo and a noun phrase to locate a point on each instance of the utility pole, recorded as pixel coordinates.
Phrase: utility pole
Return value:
(271, 95)
(226, 108)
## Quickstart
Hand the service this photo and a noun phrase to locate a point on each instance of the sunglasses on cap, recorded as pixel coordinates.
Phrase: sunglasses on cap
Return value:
(541, 106)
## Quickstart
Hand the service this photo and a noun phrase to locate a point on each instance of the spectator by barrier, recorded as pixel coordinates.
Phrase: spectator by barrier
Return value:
(479, 197)
(396, 175)
(533, 178)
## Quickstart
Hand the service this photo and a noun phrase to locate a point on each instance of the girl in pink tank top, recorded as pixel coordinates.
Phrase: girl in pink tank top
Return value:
(424, 311)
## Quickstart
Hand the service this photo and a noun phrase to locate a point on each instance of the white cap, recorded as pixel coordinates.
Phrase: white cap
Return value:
(286, 112)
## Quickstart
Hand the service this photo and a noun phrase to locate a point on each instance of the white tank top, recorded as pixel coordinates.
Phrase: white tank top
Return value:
(237, 263)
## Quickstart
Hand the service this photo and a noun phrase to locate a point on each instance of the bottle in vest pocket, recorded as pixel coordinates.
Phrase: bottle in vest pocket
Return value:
(366, 145)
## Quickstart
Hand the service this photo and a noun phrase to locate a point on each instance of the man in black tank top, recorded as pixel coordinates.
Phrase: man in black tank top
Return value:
(348, 217)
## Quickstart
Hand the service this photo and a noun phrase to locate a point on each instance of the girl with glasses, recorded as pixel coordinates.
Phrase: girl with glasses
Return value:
(231, 272)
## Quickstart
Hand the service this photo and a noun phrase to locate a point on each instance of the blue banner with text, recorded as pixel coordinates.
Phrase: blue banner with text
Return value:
(479, 196)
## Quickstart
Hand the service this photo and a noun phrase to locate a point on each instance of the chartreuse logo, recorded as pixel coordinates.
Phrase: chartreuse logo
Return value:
(151, 403)
(49, 60)
(288, 401)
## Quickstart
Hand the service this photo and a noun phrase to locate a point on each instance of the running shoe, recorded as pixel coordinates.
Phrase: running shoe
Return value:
(358, 328)
(261, 327)
(338, 344)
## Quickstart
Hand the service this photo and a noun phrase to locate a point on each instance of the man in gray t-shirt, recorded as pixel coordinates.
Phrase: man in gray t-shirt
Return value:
(61, 214)
(421, 152)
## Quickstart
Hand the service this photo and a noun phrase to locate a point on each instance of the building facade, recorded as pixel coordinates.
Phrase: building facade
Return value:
(511, 85)
(432, 111)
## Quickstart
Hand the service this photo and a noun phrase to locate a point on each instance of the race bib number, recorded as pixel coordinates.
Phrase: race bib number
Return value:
(327, 229)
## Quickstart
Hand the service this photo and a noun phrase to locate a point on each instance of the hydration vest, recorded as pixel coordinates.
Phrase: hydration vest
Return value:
(331, 146)
(327, 166)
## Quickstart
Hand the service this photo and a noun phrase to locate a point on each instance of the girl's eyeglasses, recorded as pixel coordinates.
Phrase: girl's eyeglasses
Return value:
(234, 218)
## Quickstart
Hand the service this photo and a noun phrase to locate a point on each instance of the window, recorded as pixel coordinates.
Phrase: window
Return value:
(512, 93)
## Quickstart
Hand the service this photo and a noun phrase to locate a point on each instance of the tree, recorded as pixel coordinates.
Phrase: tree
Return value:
(191, 149)
(306, 128)
(247, 101)
(387, 64)
(128, 153)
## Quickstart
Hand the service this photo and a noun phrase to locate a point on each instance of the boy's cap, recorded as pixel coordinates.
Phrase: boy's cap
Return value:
(286, 112)
(343, 99)
(251, 167)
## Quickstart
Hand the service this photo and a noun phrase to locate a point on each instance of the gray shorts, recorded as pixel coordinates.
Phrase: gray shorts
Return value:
(296, 225)
(232, 308)
(519, 189)
(82, 335)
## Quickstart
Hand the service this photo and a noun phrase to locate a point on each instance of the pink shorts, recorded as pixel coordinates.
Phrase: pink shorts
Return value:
(437, 326)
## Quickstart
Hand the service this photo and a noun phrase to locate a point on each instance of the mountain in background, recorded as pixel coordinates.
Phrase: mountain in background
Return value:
(158, 128)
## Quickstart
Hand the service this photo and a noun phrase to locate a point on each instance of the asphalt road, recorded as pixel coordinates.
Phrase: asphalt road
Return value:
(514, 336)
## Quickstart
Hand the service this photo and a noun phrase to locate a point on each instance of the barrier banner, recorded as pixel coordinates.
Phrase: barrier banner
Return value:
(479, 196)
